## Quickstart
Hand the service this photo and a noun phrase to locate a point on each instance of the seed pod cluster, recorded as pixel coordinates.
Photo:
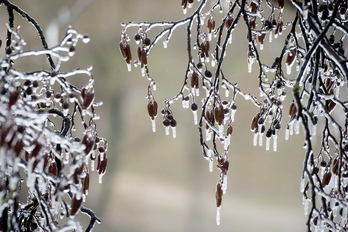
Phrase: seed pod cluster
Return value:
(168, 119)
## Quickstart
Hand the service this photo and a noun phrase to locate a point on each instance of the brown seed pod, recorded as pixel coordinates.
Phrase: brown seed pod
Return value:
(75, 205)
(152, 108)
(291, 56)
(218, 195)
(194, 80)
(330, 105)
(292, 110)
(326, 178)
(86, 183)
(229, 22)
(254, 122)
(281, 4)
(261, 38)
(229, 130)
(122, 49)
(143, 57)
(128, 53)
(210, 24)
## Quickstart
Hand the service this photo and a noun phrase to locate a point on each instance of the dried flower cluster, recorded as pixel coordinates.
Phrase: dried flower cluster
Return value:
(49, 142)
(314, 44)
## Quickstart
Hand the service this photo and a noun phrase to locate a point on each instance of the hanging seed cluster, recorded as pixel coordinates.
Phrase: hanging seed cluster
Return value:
(49, 141)
(313, 44)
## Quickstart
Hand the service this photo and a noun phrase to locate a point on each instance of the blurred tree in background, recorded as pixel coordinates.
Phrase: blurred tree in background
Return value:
(49, 142)
(313, 43)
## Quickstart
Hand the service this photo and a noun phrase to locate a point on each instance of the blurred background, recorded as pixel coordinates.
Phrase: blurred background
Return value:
(154, 182)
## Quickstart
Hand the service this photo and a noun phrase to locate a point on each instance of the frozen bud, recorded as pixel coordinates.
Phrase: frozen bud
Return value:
(137, 37)
(8, 50)
(208, 74)
(194, 106)
(27, 83)
(199, 65)
(65, 105)
(75, 205)
(147, 41)
(72, 50)
(173, 123)
(166, 122)
(254, 122)
(152, 108)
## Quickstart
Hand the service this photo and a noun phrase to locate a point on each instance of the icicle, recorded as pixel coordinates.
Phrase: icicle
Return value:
(305, 203)
(100, 179)
(165, 43)
(227, 92)
(270, 36)
(208, 134)
(288, 69)
(211, 164)
(221, 130)
(291, 128)
(268, 140)
(233, 113)
(218, 215)
(210, 160)
(92, 165)
(197, 92)
(174, 132)
(302, 185)
(255, 139)
(287, 133)
(250, 63)
(129, 67)
(275, 137)
(195, 118)
(153, 122)
(224, 184)
(260, 139)
(297, 127)
(166, 130)
(227, 141)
